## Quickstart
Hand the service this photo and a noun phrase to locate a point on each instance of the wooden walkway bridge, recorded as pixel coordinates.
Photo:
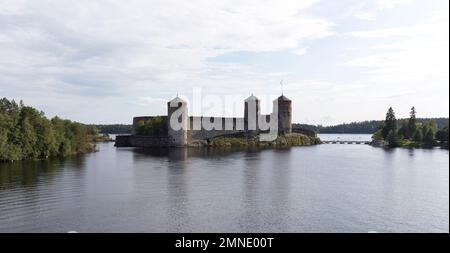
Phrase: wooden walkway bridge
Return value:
(345, 142)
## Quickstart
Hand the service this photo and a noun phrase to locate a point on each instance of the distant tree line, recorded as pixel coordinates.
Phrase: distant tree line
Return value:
(410, 132)
(114, 129)
(364, 127)
(25, 133)
(156, 126)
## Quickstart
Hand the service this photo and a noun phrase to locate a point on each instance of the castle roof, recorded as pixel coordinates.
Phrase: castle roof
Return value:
(252, 98)
(177, 100)
(283, 98)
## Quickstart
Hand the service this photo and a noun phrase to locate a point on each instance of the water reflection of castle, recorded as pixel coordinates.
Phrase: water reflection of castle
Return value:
(194, 129)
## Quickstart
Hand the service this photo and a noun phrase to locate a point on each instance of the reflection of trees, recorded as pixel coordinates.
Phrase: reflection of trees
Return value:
(280, 173)
(265, 190)
(176, 154)
(251, 187)
(178, 189)
(27, 173)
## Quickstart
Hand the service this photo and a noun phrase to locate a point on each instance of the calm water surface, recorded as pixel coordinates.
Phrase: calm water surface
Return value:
(324, 188)
(345, 137)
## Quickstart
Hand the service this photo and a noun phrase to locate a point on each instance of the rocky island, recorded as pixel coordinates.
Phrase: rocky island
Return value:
(409, 133)
(177, 129)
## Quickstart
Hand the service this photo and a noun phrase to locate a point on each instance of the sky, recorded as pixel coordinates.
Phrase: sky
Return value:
(106, 61)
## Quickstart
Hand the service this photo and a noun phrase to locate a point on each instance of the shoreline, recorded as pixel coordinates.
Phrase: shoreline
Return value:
(294, 139)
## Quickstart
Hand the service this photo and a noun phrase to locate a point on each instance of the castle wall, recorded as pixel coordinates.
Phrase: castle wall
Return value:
(193, 128)
(224, 123)
(204, 135)
(223, 126)
(141, 141)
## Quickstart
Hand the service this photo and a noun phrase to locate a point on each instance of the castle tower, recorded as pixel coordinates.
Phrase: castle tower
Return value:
(284, 114)
(251, 114)
(177, 116)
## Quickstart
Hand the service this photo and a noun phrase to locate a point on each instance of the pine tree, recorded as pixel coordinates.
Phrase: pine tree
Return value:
(412, 123)
(418, 136)
(404, 129)
(442, 135)
(390, 124)
(393, 139)
(429, 138)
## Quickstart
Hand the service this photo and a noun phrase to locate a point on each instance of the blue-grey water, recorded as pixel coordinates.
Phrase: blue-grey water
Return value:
(324, 188)
(345, 137)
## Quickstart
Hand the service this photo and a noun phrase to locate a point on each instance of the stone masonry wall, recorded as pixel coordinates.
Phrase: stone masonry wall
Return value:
(141, 141)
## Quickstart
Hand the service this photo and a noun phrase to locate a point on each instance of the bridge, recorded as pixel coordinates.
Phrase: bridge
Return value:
(345, 142)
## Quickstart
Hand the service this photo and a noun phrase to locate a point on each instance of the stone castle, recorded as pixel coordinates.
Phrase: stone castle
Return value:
(193, 130)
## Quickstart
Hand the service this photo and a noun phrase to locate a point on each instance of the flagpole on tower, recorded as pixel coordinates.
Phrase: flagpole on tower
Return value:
(281, 84)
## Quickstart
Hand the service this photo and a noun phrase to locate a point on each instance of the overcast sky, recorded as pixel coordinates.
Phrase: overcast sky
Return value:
(341, 61)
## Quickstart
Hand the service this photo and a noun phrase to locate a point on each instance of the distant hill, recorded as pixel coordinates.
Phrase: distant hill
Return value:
(364, 127)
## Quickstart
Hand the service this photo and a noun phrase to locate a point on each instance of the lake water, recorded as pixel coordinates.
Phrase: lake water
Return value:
(324, 188)
(345, 137)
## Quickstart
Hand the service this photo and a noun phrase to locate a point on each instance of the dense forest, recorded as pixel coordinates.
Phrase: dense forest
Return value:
(410, 132)
(25, 133)
(365, 127)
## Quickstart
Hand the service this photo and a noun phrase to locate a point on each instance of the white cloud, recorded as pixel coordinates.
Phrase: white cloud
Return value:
(367, 11)
(134, 47)
(389, 4)
(300, 51)
(421, 52)
(410, 64)
(364, 15)
(120, 58)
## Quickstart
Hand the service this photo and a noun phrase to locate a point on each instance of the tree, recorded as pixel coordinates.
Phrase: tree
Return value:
(411, 124)
(404, 128)
(418, 136)
(155, 126)
(377, 136)
(428, 132)
(393, 139)
(142, 128)
(46, 142)
(28, 139)
(3, 137)
(92, 130)
(25, 133)
(442, 135)
(429, 126)
(114, 129)
(390, 123)
(429, 138)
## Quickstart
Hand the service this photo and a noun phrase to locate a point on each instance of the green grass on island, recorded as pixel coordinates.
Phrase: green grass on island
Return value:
(294, 139)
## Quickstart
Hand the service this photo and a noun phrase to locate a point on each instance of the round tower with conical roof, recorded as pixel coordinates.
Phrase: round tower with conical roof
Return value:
(177, 113)
(251, 114)
(284, 114)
